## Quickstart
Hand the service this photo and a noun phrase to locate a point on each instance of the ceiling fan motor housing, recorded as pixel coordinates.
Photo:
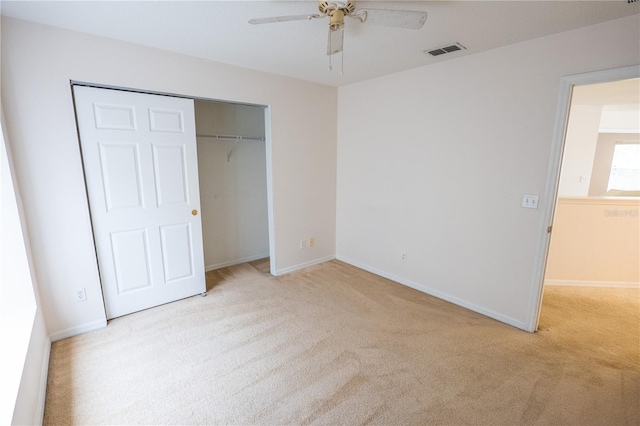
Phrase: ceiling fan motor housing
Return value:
(325, 7)
(337, 19)
(336, 12)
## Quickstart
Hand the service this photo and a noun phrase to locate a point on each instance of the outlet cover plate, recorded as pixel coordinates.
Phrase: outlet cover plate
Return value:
(80, 295)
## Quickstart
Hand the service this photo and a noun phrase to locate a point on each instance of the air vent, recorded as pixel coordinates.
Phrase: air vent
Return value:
(437, 52)
(445, 49)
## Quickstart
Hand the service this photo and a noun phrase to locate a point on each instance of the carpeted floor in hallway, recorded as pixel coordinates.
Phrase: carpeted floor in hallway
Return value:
(332, 344)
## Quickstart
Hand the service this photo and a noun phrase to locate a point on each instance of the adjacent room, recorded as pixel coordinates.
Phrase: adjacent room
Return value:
(593, 265)
(301, 212)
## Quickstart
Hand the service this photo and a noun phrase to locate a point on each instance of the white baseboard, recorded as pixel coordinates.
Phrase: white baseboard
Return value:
(439, 294)
(44, 374)
(235, 262)
(578, 283)
(303, 265)
(79, 329)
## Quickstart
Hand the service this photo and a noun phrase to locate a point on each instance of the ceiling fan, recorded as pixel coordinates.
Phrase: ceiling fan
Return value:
(336, 11)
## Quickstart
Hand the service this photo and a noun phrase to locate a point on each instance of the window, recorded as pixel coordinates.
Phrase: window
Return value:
(17, 300)
(625, 168)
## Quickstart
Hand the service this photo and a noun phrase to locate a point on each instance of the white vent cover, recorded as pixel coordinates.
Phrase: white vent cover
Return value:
(445, 49)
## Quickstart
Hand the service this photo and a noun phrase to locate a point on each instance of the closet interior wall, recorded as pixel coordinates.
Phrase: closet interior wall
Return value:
(233, 183)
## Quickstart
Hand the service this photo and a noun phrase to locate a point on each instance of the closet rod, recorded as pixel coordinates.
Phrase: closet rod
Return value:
(241, 138)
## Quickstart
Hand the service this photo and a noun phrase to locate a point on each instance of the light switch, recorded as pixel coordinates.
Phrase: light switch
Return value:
(530, 201)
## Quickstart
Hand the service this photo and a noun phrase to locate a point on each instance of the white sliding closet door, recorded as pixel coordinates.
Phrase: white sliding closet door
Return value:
(140, 161)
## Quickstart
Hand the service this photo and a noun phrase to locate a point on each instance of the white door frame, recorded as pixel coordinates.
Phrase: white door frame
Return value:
(553, 174)
(270, 219)
(268, 150)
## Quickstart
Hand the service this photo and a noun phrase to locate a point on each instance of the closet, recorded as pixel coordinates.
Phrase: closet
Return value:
(233, 182)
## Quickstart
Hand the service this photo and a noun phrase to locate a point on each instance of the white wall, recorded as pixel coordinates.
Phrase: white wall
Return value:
(579, 150)
(37, 64)
(620, 119)
(29, 407)
(233, 184)
(434, 161)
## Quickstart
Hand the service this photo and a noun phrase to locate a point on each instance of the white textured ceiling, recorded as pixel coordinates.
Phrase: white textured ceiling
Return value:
(218, 30)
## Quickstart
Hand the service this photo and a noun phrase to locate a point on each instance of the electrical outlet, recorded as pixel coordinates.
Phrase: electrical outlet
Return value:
(303, 243)
(530, 201)
(80, 295)
(312, 241)
(403, 256)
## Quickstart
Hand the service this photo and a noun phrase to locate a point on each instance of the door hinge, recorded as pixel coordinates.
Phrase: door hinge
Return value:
(549, 229)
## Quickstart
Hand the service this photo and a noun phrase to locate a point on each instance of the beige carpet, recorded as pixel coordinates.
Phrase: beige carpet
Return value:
(335, 345)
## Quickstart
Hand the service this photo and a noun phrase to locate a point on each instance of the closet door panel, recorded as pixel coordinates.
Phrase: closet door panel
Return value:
(139, 154)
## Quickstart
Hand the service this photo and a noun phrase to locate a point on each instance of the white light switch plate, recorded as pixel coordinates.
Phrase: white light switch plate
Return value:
(530, 201)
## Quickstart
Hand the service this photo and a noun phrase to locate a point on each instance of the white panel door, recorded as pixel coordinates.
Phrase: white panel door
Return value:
(141, 169)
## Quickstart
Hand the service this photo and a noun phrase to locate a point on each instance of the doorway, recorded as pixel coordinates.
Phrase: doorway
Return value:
(232, 169)
(594, 242)
(587, 234)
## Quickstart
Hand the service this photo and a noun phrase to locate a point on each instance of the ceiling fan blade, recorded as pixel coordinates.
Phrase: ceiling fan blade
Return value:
(395, 18)
(335, 42)
(284, 19)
